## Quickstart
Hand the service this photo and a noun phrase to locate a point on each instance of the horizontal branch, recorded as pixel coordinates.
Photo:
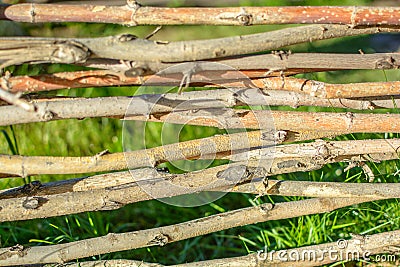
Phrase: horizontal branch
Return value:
(114, 190)
(302, 122)
(141, 15)
(18, 50)
(324, 90)
(61, 253)
(126, 184)
(24, 165)
(77, 108)
(359, 247)
(31, 165)
(215, 74)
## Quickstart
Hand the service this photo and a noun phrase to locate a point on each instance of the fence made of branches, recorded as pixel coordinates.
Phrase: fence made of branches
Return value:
(238, 84)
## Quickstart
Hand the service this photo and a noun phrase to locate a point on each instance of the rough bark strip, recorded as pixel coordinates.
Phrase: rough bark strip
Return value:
(167, 234)
(136, 15)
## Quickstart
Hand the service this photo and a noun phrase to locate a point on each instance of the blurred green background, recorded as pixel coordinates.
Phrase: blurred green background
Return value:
(90, 136)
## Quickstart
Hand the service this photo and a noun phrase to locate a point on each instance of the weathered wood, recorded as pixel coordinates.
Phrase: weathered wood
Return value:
(61, 253)
(358, 248)
(264, 162)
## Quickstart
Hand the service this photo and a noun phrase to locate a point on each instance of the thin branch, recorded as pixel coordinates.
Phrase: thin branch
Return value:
(167, 234)
(302, 122)
(228, 76)
(141, 15)
(35, 51)
(273, 64)
(326, 90)
(77, 108)
(24, 166)
(129, 47)
(359, 247)
(30, 165)
(114, 190)
(14, 99)
(126, 184)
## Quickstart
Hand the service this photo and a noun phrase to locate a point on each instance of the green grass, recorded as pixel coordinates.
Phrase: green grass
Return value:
(90, 136)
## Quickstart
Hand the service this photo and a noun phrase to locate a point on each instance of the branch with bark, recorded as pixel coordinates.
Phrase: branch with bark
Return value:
(273, 64)
(114, 190)
(60, 253)
(30, 165)
(25, 166)
(18, 50)
(134, 14)
(253, 75)
(359, 247)
(76, 108)
(128, 184)
(301, 122)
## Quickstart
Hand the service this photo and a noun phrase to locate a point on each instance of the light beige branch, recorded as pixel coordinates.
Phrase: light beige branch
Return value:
(128, 47)
(19, 255)
(221, 145)
(24, 165)
(72, 108)
(114, 190)
(357, 248)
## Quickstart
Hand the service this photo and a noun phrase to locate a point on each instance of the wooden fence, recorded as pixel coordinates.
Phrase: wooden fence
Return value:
(267, 79)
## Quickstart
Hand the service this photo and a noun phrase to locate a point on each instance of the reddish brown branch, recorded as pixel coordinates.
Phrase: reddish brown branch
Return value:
(302, 122)
(136, 15)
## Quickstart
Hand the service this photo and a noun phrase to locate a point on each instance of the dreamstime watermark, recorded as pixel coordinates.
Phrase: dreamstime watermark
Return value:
(176, 112)
(342, 251)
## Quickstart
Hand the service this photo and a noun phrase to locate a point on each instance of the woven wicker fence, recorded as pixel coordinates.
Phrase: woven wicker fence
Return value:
(231, 72)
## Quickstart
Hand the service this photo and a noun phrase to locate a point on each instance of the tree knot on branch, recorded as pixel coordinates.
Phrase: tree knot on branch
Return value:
(387, 63)
(18, 249)
(159, 240)
(70, 52)
(318, 89)
(241, 173)
(323, 153)
(31, 203)
(265, 208)
(244, 18)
